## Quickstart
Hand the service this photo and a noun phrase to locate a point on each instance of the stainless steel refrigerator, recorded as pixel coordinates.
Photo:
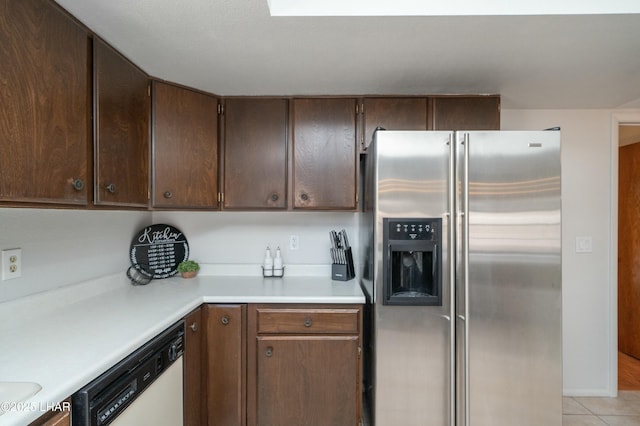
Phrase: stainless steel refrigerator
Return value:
(461, 265)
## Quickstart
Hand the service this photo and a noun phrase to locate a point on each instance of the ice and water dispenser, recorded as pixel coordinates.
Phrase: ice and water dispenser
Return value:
(412, 262)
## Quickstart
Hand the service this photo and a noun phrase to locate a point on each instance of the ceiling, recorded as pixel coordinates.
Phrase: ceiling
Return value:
(234, 47)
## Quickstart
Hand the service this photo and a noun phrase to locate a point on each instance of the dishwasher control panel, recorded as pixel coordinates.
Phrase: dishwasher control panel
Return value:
(121, 400)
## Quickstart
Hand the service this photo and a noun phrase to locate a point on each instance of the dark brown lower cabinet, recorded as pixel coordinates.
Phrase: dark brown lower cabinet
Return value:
(194, 373)
(304, 365)
(306, 380)
(226, 364)
(59, 416)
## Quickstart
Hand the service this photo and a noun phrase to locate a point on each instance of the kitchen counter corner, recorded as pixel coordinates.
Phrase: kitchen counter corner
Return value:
(65, 338)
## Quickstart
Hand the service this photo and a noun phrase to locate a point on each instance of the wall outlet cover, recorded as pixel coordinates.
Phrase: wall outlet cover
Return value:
(11, 264)
(294, 242)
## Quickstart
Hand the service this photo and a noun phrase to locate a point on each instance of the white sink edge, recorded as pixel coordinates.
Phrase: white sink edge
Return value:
(15, 392)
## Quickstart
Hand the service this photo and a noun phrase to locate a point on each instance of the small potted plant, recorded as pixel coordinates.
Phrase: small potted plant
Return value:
(188, 268)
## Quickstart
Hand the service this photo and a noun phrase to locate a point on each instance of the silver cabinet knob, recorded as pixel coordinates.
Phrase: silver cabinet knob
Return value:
(77, 184)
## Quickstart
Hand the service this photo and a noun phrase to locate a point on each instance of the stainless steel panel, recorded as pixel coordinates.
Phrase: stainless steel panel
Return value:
(514, 279)
(461, 280)
(412, 364)
(506, 307)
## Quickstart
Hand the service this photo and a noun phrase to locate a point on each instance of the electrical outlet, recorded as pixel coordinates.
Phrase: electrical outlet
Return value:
(294, 242)
(11, 264)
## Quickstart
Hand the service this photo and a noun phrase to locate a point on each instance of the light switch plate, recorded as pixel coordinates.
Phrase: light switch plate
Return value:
(584, 244)
(11, 264)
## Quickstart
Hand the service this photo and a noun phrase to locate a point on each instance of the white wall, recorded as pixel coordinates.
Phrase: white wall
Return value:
(587, 170)
(242, 237)
(61, 247)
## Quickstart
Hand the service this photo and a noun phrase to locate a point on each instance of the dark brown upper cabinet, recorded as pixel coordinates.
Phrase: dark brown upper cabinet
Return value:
(255, 153)
(465, 112)
(392, 114)
(185, 148)
(121, 129)
(324, 153)
(45, 95)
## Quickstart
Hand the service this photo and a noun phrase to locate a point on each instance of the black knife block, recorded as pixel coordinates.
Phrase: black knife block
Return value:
(344, 271)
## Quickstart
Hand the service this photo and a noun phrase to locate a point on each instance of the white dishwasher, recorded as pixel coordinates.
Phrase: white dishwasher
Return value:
(143, 389)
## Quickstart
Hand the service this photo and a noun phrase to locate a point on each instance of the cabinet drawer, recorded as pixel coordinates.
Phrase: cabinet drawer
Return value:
(308, 321)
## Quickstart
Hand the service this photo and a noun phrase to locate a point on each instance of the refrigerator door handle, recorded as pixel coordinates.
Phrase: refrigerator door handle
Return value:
(465, 269)
(451, 224)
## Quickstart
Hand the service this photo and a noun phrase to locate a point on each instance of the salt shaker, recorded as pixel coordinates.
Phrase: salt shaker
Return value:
(267, 266)
(278, 268)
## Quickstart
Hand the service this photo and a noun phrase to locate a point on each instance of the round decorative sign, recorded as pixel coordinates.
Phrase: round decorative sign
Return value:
(158, 249)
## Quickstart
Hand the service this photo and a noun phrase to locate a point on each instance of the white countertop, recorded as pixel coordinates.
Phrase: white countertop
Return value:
(65, 338)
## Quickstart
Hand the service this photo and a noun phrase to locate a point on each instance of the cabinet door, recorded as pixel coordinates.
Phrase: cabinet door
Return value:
(255, 153)
(324, 153)
(194, 377)
(307, 380)
(121, 109)
(45, 98)
(226, 363)
(59, 416)
(185, 148)
(393, 114)
(466, 113)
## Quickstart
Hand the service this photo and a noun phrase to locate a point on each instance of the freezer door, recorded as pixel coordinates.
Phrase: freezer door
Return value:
(509, 279)
(413, 344)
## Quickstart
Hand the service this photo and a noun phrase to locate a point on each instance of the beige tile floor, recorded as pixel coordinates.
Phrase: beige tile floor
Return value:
(594, 411)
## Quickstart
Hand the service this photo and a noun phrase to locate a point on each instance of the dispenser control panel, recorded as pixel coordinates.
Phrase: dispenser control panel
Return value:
(412, 229)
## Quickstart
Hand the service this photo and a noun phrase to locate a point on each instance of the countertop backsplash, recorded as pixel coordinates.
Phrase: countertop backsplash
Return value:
(66, 247)
(62, 247)
(242, 237)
